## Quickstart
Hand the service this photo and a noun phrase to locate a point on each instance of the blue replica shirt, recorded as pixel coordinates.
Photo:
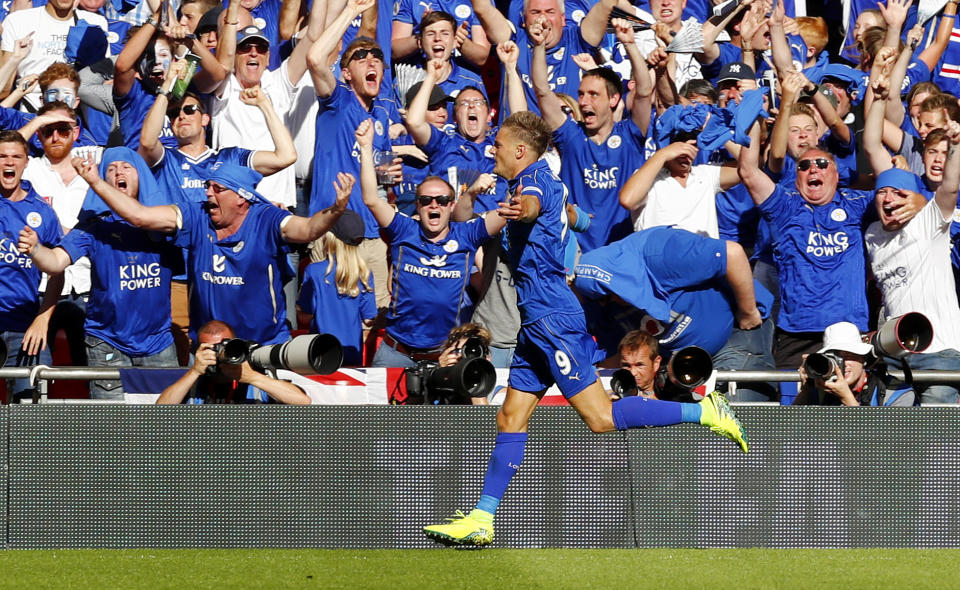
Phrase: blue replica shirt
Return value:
(459, 79)
(414, 171)
(535, 250)
(676, 282)
(456, 151)
(595, 173)
(819, 253)
(336, 150)
(132, 109)
(428, 280)
(182, 177)
(239, 279)
(729, 53)
(737, 216)
(412, 11)
(130, 271)
(336, 313)
(19, 278)
(563, 73)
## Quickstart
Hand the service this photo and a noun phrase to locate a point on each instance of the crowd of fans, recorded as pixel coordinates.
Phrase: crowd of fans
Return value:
(333, 165)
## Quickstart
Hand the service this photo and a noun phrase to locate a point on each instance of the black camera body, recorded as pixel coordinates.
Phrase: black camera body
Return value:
(429, 383)
(687, 369)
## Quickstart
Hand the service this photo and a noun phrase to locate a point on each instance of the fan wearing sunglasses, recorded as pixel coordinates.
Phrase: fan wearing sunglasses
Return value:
(432, 262)
(818, 240)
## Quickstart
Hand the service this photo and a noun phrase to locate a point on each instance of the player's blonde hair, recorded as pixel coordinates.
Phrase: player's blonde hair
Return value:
(352, 270)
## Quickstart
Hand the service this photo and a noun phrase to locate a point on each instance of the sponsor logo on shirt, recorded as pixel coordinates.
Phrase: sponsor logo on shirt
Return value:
(219, 265)
(595, 177)
(9, 254)
(438, 261)
(139, 276)
(191, 182)
(893, 278)
(433, 268)
(594, 272)
(820, 245)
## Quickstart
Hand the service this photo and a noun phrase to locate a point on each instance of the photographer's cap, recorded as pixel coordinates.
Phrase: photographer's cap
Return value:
(846, 337)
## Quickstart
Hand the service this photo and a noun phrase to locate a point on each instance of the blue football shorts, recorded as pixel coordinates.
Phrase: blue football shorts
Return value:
(554, 349)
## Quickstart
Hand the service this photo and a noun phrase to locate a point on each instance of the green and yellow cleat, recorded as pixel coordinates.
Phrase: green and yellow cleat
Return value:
(718, 415)
(462, 529)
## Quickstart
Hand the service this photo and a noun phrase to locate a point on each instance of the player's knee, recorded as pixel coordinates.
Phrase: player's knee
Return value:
(508, 421)
(600, 424)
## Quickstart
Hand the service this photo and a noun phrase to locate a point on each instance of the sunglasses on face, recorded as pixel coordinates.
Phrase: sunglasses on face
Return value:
(442, 200)
(214, 186)
(804, 165)
(62, 129)
(373, 52)
(260, 46)
(187, 109)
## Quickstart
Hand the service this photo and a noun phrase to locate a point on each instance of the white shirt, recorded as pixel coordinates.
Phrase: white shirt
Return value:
(66, 200)
(49, 39)
(692, 207)
(236, 124)
(913, 270)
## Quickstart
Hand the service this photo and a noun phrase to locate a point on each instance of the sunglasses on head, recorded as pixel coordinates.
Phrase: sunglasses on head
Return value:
(442, 200)
(373, 52)
(804, 165)
(63, 129)
(187, 109)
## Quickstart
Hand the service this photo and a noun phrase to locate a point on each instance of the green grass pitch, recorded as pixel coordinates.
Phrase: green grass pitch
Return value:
(733, 569)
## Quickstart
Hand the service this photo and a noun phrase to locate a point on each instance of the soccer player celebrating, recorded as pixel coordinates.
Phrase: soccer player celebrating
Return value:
(553, 345)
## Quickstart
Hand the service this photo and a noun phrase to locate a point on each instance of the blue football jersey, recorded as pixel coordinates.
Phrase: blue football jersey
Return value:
(820, 256)
(336, 150)
(130, 271)
(535, 250)
(182, 178)
(132, 109)
(429, 279)
(335, 313)
(596, 173)
(456, 151)
(19, 278)
(239, 279)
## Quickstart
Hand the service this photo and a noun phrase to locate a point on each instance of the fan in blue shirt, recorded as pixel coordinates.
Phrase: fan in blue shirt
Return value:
(599, 154)
(23, 322)
(432, 263)
(237, 243)
(128, 315)
(553, 345)
(413, 16)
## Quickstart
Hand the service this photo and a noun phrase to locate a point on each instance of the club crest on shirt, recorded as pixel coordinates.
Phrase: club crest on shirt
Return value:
(838, 215)
(462, 11)
(34, 219)
(558, 55)
(451, 246)
(956, 215)
(488, 152)
(113, 37)
(184, 166)
(378, 127)
(260, 22)
(614, 141)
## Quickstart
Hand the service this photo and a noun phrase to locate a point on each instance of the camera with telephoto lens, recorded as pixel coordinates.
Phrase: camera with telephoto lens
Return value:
(902, 336)
(474, 348)
(687, 369)
(308, 354)
(456, 384)
(623, 384)
(823, 365)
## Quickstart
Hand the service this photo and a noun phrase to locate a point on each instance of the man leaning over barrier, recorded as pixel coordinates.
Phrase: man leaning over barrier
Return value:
(237, 242)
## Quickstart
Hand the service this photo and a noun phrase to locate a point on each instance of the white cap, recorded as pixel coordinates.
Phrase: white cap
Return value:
(846, 337)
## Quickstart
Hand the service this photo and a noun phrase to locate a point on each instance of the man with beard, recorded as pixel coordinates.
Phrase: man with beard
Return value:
(598, 154)
(128, 314)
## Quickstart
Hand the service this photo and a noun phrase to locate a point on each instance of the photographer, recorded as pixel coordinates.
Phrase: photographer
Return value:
(852, 383)
(461, 338)
(639, 353)
(209, 381)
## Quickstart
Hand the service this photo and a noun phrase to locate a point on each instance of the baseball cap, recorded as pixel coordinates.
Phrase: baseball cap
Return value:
(349, 229)
(736, 71)
(249, 33)
(846, 337)
(437, 95)
(829, 94)
(897, 178)
(209, 21)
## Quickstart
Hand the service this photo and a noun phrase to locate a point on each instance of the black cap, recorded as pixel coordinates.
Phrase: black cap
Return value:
(736, 71)
(349, 229)
(437, 95)
(209, 21)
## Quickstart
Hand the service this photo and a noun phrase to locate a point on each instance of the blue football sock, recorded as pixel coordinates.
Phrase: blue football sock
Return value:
(640, 412)
(691, 413)
(504, 462)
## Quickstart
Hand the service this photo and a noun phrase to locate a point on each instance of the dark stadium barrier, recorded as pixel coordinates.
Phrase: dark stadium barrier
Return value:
(371, 477)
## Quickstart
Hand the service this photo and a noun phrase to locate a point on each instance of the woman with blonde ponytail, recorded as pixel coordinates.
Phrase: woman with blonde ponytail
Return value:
(337, 290)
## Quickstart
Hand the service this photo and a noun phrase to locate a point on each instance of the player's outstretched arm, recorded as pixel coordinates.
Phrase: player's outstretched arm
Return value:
(740, 278)
(161, 218)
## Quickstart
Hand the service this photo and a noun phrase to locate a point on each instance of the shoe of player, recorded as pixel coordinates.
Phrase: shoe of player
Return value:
(718, 415)
(462, 529)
